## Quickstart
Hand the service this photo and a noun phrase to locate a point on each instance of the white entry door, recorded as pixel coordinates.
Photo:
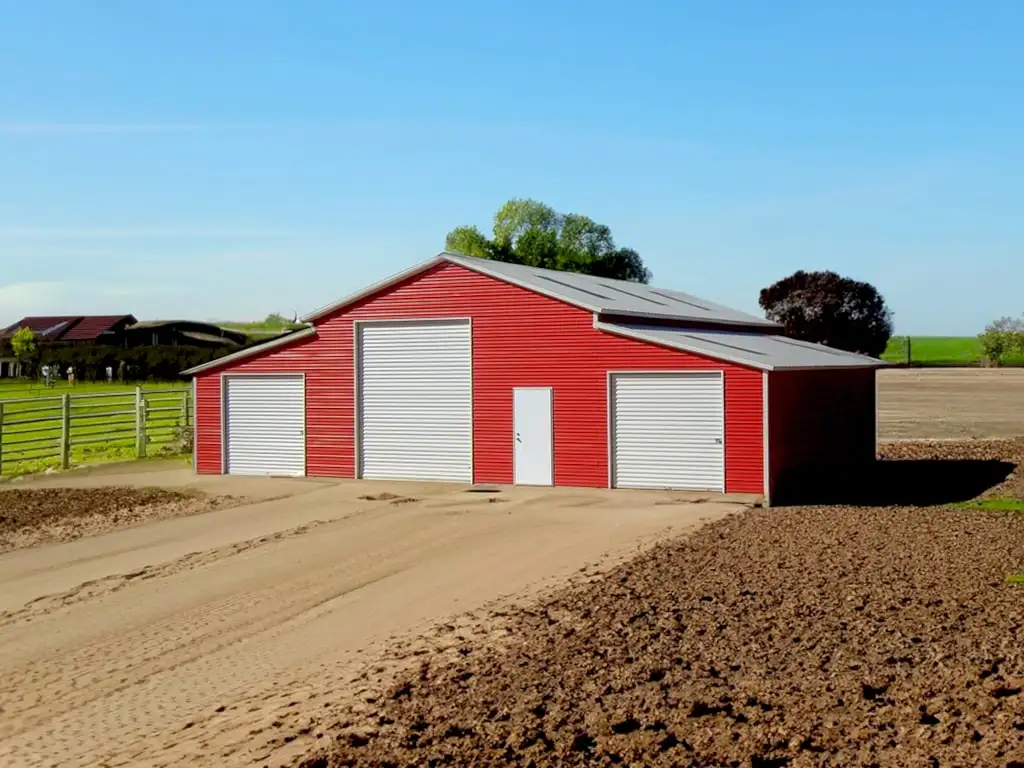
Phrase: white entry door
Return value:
(532, 425)
(265, 425)
(668, 430)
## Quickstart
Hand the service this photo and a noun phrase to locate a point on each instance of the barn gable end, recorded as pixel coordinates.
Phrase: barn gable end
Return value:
(519, 339)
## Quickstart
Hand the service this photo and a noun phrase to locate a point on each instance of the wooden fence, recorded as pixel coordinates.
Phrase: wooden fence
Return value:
(61, 430)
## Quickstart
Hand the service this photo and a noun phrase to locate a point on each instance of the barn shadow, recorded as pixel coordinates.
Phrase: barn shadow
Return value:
(894, 482)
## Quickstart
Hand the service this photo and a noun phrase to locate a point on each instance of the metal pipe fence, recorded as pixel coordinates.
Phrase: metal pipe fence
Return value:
(57, 431)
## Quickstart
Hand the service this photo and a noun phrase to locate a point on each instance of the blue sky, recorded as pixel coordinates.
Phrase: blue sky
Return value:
(224, 159)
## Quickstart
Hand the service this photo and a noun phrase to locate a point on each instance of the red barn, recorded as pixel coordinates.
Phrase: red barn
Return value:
(476, 371)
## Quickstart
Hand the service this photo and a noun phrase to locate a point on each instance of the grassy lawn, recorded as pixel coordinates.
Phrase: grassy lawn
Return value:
(16, 389)
(999, 505)
(948, 350)
(102, 422)
(939, 350)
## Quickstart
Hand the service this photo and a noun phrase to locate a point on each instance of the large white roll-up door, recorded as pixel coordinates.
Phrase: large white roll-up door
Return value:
(265, 424)
(416, 401)
(668, 431)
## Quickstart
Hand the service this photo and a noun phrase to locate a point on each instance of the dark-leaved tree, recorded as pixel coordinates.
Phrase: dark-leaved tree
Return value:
(825, 308)
(532, 233)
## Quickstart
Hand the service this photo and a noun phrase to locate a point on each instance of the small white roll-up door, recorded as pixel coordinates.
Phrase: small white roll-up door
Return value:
(668, 431)
(416, 401)
(265, 425)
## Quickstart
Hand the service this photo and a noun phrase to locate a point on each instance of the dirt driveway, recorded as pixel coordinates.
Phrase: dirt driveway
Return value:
(199, 640)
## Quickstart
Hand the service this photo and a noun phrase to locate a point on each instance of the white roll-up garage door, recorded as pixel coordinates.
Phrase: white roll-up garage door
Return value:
(668, 431)
(265, 425)
(416, 401)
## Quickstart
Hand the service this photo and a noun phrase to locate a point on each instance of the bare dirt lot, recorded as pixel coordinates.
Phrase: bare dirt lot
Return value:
(951, 402)
(348, 623)
(807, 636)
(33, 516)
(222, 639)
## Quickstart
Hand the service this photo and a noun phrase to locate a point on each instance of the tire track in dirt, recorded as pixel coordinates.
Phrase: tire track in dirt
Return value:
(177, 662)
(131, 658)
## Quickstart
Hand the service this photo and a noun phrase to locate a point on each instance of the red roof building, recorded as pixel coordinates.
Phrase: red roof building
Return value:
(70, 327)
(474, 371)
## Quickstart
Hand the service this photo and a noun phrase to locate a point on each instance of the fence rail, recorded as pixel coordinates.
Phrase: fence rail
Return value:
(61, 430)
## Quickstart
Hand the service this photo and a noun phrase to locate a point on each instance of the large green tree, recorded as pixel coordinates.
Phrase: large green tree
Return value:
(24, 344)
(824, 308)
(532, 233)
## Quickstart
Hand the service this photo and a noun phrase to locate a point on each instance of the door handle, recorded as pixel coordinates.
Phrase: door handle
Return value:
(518, 438)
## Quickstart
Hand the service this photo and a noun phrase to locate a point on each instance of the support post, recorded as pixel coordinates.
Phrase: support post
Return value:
(65, 431)
(1, 438)
(910, 355)
(140, 424)
(185, 411)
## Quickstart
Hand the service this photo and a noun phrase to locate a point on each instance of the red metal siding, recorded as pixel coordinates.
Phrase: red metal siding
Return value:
(207, 447)
(520, 338)
(819, 419)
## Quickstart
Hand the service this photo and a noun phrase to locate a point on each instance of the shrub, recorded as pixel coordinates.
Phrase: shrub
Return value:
(1002, 338)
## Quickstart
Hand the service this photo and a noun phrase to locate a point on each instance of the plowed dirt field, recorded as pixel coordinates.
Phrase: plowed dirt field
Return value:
(804, 636)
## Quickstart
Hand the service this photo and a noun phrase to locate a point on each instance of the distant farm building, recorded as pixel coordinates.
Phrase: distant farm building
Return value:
(89, 329)
(122, 331)
(181, 333)
(62, 330)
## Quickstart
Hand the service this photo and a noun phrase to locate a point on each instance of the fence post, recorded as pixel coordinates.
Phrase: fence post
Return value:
(140, 424)
(65, 431)
(185, 409)
(910, 356)
(1, 438)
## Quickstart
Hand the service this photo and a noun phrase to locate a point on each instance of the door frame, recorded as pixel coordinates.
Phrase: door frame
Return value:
(551, 415)
(224, 376)
(610, 403)
(357, 394)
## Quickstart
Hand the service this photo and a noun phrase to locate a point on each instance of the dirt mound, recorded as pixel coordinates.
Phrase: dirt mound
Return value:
(801, 636)
(30, 516)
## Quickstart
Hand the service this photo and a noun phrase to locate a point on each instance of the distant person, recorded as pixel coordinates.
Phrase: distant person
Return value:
(46, 375)
(110, 374)
(71, 375)
(120, 371)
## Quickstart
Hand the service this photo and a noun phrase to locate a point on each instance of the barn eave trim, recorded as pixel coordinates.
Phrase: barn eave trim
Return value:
(244, 354)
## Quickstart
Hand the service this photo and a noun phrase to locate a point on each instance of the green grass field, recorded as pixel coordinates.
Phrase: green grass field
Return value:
(102, 423)
(939, 350)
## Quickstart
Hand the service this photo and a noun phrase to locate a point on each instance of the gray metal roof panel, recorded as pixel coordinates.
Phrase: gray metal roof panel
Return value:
(611, 297)
(766, 351)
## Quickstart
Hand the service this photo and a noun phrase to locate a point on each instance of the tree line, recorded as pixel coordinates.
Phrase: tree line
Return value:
(822, 307)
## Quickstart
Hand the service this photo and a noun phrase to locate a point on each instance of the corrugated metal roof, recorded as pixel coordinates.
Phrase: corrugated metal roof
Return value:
(209, 337)
(594, 294)
(611, 297)
(48, 327)
(767, 351)
(67, 327)
(92, 326)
